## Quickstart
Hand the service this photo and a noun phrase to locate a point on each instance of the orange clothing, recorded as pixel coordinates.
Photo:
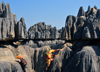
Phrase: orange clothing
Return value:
(50, 53)
(18, 56)
(49, 57)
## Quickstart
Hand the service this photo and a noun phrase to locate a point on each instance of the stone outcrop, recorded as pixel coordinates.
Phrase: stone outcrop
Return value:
(62, 59)
(9, 27)
(84, 26)
(6, 29)
(35, 58)
(70, 28)
(86, 60)
(6, 22)
(42, 31)
(21, 32)
(78, 57)
(88, 11)
(7, 61)
(37, 44)
(81, 12)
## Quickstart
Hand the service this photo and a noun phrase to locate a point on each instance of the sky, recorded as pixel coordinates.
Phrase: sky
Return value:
(52, 12)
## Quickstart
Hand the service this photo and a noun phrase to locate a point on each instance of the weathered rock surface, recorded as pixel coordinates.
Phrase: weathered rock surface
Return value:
(86, 60)
(37, 44)
(35, 58)
(70, 26)
(77, 56)
(9, 28)
(81, 12)
(9, 67)
(7, 61)
(42, 31)
(6, 22)
(21, 29)
(61, 60)
(84, 26)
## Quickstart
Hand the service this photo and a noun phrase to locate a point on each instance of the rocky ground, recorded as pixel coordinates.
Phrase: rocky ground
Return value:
(79, 42)
(78, 57)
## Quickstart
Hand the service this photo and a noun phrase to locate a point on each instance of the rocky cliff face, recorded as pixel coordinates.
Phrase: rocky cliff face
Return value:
(81, 54)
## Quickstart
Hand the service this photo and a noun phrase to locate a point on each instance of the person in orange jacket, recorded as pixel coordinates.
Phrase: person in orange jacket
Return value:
(50, 57)
(22, 62)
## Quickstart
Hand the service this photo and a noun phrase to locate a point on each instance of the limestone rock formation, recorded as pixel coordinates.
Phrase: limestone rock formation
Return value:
(21, 29)
(61, 60)
(6, 22)
(7, 61)
(81, 12)
(82, 57)
(84, 26)
(88, 11)
(42, 31)
(87, 26)
(6, 29)
(9, 27)
(82, 54)
(37, 44)
(70, 28)
(64, 34)
(9, 67)
(86, 60)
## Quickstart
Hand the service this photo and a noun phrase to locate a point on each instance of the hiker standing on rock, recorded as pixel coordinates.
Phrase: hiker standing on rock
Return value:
(22, 62)
(50, 57)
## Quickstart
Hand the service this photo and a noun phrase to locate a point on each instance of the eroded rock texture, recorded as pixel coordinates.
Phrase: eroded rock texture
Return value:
(62, 59)
(6, 22)
(76, 56)
(84, 26)
(86, 60)
(42, 31)
(9, 27)
(21, 32)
